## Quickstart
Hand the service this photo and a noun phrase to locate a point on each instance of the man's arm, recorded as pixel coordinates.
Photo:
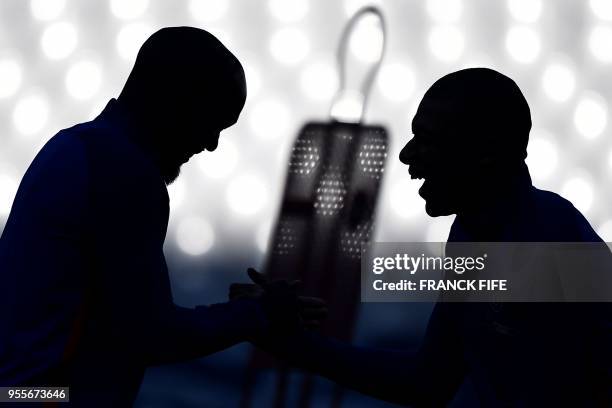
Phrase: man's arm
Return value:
(429, 377)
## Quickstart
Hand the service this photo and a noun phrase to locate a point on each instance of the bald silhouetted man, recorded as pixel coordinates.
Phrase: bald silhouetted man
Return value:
(470, 142)
(85, 298)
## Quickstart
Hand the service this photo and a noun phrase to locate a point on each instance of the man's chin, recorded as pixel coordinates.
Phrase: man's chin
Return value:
(434, 209)
(169, 175)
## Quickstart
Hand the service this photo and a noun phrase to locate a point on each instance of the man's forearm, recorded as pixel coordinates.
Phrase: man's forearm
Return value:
(186, 333)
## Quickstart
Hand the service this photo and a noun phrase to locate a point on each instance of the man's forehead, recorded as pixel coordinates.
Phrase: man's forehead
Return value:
(433, 116)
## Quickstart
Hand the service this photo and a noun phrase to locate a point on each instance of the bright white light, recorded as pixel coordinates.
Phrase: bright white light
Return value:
(523, 44)
(445, 11)
(30, 114)
(288, 11)
(208, 11)
(591, 116)
(8, 189)
(599, 43)
(262, 237)
(602, 8)
(289, 46)
(405, 200)
(10, 77)
(605, 231)
(194, 236)
(396, 82)
(83, 80)
(579, 192)
(526, 11)
(130, 38)
(247, 195)
(319, 81)
(220, 163)
(558, 82)
(366, 41)
(128, 9)
(59, 40)
(542, 157)
(270, 119)
(446, 42)
(47, 9)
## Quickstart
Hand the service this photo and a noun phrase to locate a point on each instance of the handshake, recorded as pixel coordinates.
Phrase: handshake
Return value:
(285, 310)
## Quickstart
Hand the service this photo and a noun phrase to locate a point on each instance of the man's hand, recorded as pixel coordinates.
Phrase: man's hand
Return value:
(283, 307)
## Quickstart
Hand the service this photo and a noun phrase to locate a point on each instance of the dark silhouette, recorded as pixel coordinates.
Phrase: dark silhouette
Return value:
(85, 299)
(470, 137)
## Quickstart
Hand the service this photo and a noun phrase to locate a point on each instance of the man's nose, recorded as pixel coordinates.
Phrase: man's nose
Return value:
(408, 152)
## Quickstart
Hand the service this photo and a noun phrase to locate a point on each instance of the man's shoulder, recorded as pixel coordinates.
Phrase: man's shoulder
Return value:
(562, 217)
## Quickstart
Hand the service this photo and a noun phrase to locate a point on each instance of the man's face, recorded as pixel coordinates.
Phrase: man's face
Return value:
(430, 157)
(194, 131)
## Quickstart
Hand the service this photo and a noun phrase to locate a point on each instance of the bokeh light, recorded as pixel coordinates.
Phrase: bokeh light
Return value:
(247, 194)
(288, 11)
(542, 155)
(84, 79)
(47, 9)
(270, 119)
(208, 11)
(526, 11)
(128, 9)
(31, 114)
(194, 235)
(319, 81)
(445, 11)
(397, 82)
(8, 189)
(59, 40)
(404, 198)
(446, 42)
(289, 45)
(591, 116)
(220, 163)
(558, 82)
(579, 191)
(10, 77)
(602, 9)
(523, 44)
(130, 38)
(599, 43)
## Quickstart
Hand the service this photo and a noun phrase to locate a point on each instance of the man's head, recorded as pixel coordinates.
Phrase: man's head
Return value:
(470, 129)
(184, 89)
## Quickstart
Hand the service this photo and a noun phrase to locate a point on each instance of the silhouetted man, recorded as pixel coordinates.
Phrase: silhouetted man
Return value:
(85, 299)
(470, 142)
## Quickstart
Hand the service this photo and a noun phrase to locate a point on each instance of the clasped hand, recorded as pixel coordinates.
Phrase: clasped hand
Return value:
(285, 309)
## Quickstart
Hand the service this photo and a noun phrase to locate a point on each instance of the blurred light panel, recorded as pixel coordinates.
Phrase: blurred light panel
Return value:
(128, 9)
(526, 11)
(579, 191)
(446, 42)
(31, 114)
(396, 82)
(405, 199)
(445, 11)
(130, 38)
(542, 156)
(319, 81)
(366, 41)
(590, 116)
(220, 163)
(59, 40)
(208, 11)
(194, 235)
(288, 11)
(247, 195)
(47, 9)
(8, 189)
(270, 119)
(10, 77)
(289, 46)
(558, 82)
(602, 9)
(83, 80)
(599, 43)
(523, 44)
